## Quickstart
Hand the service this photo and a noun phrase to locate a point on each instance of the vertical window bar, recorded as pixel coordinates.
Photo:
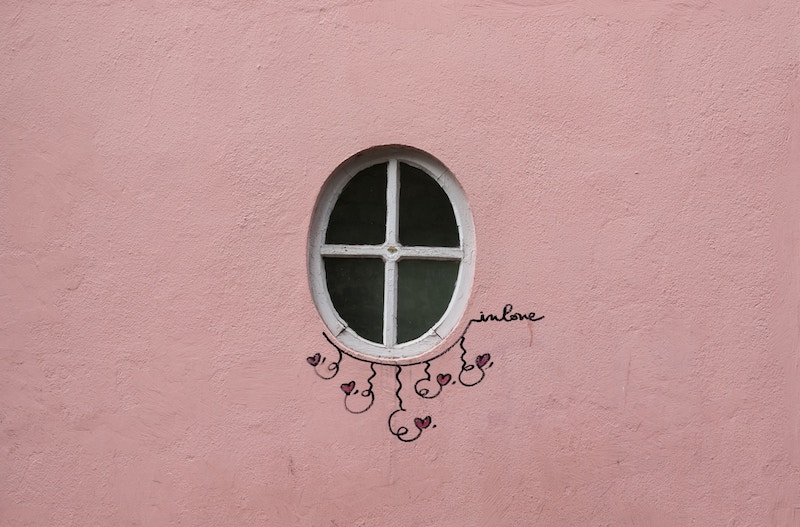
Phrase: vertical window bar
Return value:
(392, 202)
(390, 279)
(390, 304)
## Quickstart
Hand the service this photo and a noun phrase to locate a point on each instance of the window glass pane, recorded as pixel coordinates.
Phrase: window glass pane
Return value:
(356, 289)
(426, 215)
(359, 216)
(424, 289)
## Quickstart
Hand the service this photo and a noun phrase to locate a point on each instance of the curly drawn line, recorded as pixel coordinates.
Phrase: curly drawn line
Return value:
(420, 423)
(399, 388)
(368, 391)
(349, 391)
(316, 360)
(424, 392)
(442, 380)
(480, 362)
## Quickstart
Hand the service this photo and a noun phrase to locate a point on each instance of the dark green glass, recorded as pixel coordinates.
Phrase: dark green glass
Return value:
(426, 215)
(359, 216)
(424, 289)
(356, 289)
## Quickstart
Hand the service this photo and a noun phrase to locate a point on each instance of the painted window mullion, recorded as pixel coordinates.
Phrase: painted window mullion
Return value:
(346, 250)
(392, 202)
(390, 276)
(431, 253)
(390, 304)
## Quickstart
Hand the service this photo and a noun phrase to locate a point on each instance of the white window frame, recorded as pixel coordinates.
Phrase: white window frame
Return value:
(391, 252)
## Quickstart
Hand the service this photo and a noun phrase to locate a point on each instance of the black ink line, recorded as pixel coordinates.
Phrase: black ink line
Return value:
(402, 431)
(368, 391)
(469, 367)
(399, 387)
(332, 366)
(425, 393)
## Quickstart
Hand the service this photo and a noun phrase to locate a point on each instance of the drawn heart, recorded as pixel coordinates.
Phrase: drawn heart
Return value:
(443, 378)
(482, 360)
(348, 387)
(422, 424)
(313, 360)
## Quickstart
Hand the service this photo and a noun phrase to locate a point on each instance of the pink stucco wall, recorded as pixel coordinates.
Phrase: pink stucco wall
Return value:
(633, 168)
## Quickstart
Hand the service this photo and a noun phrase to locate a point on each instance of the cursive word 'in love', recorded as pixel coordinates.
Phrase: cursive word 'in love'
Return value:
(508, 316)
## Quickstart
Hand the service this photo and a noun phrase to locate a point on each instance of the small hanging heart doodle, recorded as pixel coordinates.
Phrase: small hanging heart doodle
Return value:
(482, 360)
(348, 387)
(422, 424)
(443, 378)
(313, 360)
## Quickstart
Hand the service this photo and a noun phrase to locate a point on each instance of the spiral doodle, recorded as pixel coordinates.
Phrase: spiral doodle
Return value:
(420, 423)
(442, 380)
(480, 363)
(331, 369)
(349, 390)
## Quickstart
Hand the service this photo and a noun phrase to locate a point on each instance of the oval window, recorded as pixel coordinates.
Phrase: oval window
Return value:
(391, 252)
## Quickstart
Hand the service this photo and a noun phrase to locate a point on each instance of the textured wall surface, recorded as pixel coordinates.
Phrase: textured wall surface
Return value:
(633, 168)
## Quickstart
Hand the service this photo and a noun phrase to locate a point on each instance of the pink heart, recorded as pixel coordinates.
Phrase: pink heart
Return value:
(348, 387)
(313, 360)
(443, 378)
(422, 424)
(482, 360)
